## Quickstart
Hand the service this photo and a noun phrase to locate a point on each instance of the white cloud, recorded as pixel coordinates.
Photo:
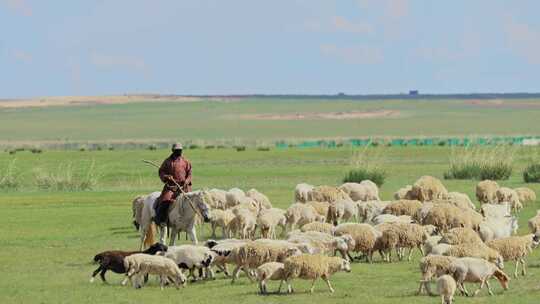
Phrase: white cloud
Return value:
(21, 7)
(118, 61)
(353, 54)
(524, 40)
(21, 56)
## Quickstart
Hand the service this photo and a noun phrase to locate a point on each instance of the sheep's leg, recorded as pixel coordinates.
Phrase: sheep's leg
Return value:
(213, 230)
(421, 250)
(235, 273)
(279, 288)
(248, 275)
(327, 280)
(516, 269)
(312, 286)
(261, 287)
(102, 275)
(410, 254)
(289, 286)
(461, 288)
(489, 288)
(523, 270)
(162, 280)
(482, 283)
(95, 274)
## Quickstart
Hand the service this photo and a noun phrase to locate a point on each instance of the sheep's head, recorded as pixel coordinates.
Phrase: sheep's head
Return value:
(292, 251)
(502, 278)
(155, 248)
(535, 241)
(499, 261)
(210, 243)
(345, 265)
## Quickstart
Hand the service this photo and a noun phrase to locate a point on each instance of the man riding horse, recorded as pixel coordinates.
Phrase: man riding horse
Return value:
(174, 171)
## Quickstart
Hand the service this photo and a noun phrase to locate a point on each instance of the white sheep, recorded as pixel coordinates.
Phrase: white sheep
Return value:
(244, 222)
(496, 228)
(433, 266)
(301, 192)
(323, 242)
(461, 199)
(216, 198)
(221, 218)
(254, 254)
(270, 271)
(534, 223)
(370, 209)
(260, 198)
(428, 188)
(525, 194)
(430, 243)
(363, 191)
(390, 218)
(446, 286)
(496, 210)
(477, 270)
(141, 264)
(486, 192)
(319, 226)
(312, 267)
(505, 194)
(269, 219)
(192, 257)
(301, 214)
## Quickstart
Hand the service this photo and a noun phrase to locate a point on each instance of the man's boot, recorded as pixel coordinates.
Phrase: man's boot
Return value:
(162, 213)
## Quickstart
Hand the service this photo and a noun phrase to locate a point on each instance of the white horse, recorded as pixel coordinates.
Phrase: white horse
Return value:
(182, 215)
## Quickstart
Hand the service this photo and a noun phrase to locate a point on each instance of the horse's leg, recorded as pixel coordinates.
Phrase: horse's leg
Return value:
(193, 235)
(162, 234)
(143, 236)
(174, 233)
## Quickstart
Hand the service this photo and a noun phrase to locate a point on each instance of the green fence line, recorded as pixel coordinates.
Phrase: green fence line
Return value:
(397, 142)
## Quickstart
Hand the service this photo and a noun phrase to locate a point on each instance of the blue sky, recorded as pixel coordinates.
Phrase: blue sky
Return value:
(281, 46)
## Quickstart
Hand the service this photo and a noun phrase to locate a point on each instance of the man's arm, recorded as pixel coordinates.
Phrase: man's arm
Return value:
(188, 173)
(164, 172)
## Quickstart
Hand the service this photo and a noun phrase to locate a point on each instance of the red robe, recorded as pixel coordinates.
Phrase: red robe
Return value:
(180, 170)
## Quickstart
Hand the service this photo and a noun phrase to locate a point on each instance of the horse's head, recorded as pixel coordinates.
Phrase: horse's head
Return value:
(199, 203)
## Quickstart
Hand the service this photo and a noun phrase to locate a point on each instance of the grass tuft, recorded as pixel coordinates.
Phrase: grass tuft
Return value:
(366, 165)
(9, 177)
(481, 163)
(67, 178)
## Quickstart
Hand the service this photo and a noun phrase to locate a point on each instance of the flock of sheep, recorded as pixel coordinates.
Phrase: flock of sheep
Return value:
(459, 243)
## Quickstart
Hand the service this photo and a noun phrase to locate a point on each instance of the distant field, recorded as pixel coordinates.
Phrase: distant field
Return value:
(48, 239)
(268, 120)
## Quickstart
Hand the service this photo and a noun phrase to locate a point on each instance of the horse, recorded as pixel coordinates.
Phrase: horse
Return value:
(182, 216)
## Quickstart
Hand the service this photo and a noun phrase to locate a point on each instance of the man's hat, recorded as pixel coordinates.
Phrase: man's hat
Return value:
(177, 146)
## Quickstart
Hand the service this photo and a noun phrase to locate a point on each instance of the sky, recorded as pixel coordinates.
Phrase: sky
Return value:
(101, 47)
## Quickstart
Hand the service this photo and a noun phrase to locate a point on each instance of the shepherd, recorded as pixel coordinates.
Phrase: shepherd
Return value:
(175, 172)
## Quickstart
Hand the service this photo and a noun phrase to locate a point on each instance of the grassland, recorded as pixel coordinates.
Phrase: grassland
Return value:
(235, 120)
(49, 238)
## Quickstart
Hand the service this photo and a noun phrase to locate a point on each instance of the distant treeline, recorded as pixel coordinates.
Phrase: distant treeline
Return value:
(381, 96)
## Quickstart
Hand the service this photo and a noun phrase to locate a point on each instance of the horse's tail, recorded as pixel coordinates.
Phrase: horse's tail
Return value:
(150, 237)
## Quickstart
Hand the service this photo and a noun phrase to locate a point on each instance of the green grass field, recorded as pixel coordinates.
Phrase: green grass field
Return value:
(214, 121)
(49, 238)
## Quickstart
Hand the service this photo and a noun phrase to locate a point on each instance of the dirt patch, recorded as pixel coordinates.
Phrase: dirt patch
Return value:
(498, 103)
(327, 115)
(104, 100)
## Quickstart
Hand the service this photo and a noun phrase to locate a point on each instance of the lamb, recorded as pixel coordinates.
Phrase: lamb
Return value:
(319, 227)
(534, 223)
(254, 254)
(496, 210)
(137, 207)
(260, 198)
(270, 271)
(301, 214)
(221, 218)
(486, 192)
(446, 286)
(403, 207)
(192, 257)
(461, 200)
(496, 228)
(461, 235)
(403, 193)
(244, 222)
(515, 248)
(364, 235)
(428, 188)
(364, 191)
(470, 269)
(268, 219)
(141, 264)
(327, 194)
(301, 192)
(433, 266)
(477, 251)
(312, 267)
(114, 260)
(525, 194)
(505, 194)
